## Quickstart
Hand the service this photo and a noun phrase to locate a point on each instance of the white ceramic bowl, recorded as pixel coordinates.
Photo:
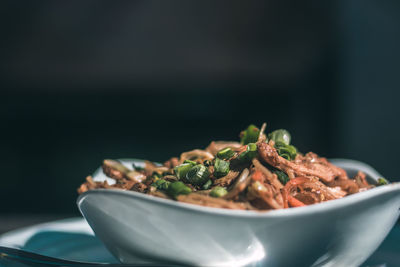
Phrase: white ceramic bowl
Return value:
(341, 232)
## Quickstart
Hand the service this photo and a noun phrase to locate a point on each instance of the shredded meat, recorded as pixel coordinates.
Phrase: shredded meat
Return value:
(272, 178)
(208, 201)
(172, 163)
(150, 168)
(361, 180)
(310, 165)
(306, 190)
(241, 183)
(196, 154)
(135, 176)
(90, 184)
(216, 146)
(337, 191)
(264, 196)
(139, 187)
(114, 169)
(227, 180)
(349, 186)
(262, 137)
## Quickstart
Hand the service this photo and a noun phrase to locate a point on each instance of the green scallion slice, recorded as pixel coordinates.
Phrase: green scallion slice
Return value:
(283, 177)
(381, 181)
(221, 167)
(249, 154)
(218, 191)
(225, 153)
(197, 175)
(207, 185)
(178, 188)
(183, 169)
(250, 135)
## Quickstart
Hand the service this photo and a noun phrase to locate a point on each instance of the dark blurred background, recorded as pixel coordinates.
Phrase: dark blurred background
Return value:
(86, 80)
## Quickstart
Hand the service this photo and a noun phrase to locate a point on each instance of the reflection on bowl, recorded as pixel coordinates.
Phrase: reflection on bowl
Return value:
(341, 232)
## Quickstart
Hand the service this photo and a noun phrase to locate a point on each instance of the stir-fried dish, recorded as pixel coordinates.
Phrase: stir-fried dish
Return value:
(261, 172)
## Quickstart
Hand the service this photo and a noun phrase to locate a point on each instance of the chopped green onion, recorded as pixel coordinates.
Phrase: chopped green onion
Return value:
(250, 135)
(225, 153)
(288, 152)
(190, 161)
(183, 169)
(249, 154)
(178, 188)
(161, 184)
(207, 185)
(221, 167)
(218, 191)
(197, 175)
(283, 177)
(280, 135)
(381, 181)
(156, 174)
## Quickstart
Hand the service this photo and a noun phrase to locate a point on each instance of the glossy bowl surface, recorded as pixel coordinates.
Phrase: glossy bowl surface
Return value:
(341, 232)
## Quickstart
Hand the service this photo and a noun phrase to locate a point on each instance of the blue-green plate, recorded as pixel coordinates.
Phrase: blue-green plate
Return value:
(69, 239)
(73, 239)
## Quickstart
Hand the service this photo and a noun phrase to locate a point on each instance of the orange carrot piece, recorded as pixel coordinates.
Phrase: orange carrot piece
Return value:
(258, 176)
(293, 202)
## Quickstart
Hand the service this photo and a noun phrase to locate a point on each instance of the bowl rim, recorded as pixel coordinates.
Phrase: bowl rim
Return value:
(300, 211)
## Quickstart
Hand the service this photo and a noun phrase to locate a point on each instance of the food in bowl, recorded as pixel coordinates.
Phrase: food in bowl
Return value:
(261, 172)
